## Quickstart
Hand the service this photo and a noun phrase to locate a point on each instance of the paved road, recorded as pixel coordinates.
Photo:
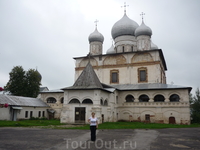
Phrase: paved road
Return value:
(126, 139)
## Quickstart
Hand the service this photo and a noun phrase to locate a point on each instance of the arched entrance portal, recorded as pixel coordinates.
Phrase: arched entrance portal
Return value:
(172, 120)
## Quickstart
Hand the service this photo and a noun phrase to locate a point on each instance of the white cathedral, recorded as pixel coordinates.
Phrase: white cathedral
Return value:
(128, 83)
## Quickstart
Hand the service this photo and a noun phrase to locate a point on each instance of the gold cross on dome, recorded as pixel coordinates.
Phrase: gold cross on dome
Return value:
(125, 7)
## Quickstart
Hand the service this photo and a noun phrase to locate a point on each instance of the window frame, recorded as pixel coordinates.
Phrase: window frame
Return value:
(139, 75)
(111, 76)
(43, 113)
(51, 100)
(129, 98)
(39, 114)
(31, 114)
(174, 98)
(26, 114)
(144, 98)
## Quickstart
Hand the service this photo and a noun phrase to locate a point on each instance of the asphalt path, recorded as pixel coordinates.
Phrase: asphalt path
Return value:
(19, 138)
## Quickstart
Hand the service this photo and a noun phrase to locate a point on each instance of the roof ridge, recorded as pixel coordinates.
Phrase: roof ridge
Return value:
(88, 78)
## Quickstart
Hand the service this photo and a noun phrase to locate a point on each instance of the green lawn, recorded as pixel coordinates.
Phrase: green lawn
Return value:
(29, 123)
(55, 124)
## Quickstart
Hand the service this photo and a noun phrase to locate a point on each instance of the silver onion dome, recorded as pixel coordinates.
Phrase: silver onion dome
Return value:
(125, 26)
(143, 30)
(153, 46)
(96, 36)
(111, 50)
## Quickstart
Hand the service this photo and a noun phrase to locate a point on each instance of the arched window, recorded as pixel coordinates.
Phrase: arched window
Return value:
(159, 98)
(87, 101)
(174, 98)
(105, 103)
(143, 98)
(74, 101)
(51, 100)
(62, 100)
(101, 102)
(129, 98)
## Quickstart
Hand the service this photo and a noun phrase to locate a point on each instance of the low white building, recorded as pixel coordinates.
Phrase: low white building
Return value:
(22, 108)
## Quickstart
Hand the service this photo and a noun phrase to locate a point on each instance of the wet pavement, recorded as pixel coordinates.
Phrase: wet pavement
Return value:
(138, 139)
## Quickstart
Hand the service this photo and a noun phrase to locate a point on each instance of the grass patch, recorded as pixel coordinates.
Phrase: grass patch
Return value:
(55, 124)
(29, 123)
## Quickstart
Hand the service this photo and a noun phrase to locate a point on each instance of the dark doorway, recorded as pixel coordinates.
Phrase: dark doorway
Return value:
(147, 118)
(102, 116)
(14, 115)
(51, 113)
(79, 114)
(172, 120)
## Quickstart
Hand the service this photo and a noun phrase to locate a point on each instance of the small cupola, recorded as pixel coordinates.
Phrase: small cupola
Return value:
(143, 30)
(143, 36)
(111, 50)
(96, 36)
(96, 41)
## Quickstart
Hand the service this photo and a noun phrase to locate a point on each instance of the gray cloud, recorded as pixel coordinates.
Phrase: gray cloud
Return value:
(48, 34)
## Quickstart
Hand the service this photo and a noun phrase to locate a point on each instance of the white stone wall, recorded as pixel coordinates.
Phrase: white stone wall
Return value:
(125, 43)
(35, 112)
(5, 113)
(96, 48)
(68, 110)
(143, 42)
(119, 109)
(56, 106)
(128, 65)
(159, 111)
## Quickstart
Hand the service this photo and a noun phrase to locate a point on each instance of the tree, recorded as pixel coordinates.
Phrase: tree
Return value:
(16, 83)
(33, 79)
(195, 107)
(22, 83)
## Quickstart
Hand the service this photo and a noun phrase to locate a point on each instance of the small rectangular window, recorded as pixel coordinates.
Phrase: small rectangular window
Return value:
(39, 113)
(31, 114)
(114, 77)
(26, 114)
(43, 114)
(142, 75)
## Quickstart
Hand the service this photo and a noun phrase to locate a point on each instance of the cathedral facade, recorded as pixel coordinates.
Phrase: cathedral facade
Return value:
(128, 83)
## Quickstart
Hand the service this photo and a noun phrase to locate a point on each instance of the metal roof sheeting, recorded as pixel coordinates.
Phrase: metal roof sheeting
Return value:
(53, 91)
(22, 101)
(148, 86)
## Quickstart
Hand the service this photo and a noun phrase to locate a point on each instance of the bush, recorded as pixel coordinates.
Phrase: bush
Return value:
(37, 118)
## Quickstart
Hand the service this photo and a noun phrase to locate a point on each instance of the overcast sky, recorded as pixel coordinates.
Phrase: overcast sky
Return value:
(47, 34)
